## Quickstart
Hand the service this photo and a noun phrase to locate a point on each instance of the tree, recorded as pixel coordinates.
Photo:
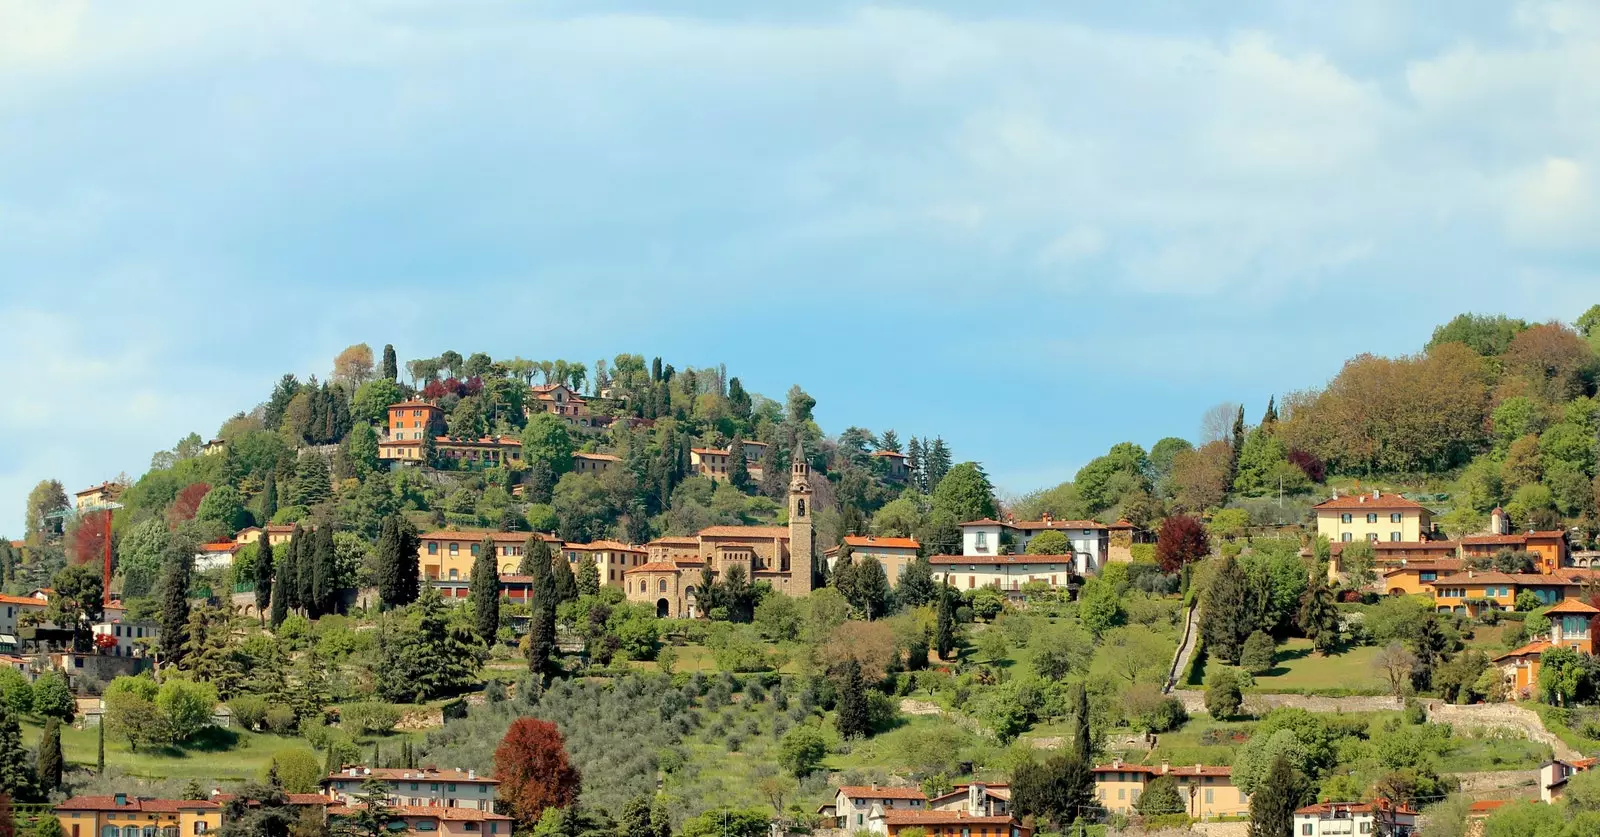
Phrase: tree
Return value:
(1059, 790)
(853, 721)
(1082, 737)
(48, 826)
(916, 587)
(186, 707)
(45, 498)
(965, 493)
(79, 601)
(542, 627)
(353, 366)
(223, 505)
(428, 655)
(1273, 804)
(486, 592)
(872, 588)
(1319, 615)
(588, 579)
(1227, 619)
(175, 602)
(1161, 798)
(325, 572)
(566, 584)
(398, 571)
(1554, 360)
(264, 573)
(1395, 663)
(52, 697)
(545, 440)
(1223, 696)
(1103, 482)
(370, 815)
(945, 630)
(17, 777)
(1049, 542)
(802, 750)
(391, 367)
(738, 469)
(1182, 540)
(50, 762)
(534, 771)
(1258, 654)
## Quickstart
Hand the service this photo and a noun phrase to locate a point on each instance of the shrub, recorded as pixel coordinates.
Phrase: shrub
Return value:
(373, 717)
(1259, 653)
(249, 711)
(279, 719)
(1223, 698)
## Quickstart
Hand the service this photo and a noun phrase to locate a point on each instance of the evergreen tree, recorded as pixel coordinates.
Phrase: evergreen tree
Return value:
(17, 777)
(397, 562)
(1319, 614)
(100, 749)
(938, 462)
(425, 654)
(588, 579)
(430, 448)
(1273, 804)
(313, 483)
(914, 466)
(50, 762)
(1160, 798)
(1237, 444)
(1225, 619)
(1059, 791)
(916, 587)
(542, 627)
(872, 587)
(842, 576)
(1082, 736)
(774, 474)
(486, 593)
(738, 470)
(305, 572)
(566, 583)
(325, 571)
(853, 719)
(175, 604)
(1271, 416)
(636, 818)
(288, 585)
(889, 441)
(945, 630)
(264, 573)
(269, 497)
(391, 364)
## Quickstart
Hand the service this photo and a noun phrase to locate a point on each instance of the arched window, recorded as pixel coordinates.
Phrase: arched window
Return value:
(662, 585)
(130, 831)
(800, 507)
(108, 831)
(454, 574)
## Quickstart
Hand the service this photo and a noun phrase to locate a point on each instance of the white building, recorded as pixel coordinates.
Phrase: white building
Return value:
(855, 805)
(12, 608)
(417, 786)
(1352, 819)
(1090, 540)
(1553, 777)
(1007, 572)
(131, 639)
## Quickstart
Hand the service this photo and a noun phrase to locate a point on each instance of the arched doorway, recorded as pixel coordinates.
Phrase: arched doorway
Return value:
(663, 608)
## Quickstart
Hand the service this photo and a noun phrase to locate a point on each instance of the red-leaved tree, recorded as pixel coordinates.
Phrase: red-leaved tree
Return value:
(1182, 540)
(531, 764)
(8, 825)
(187, 503)
(86, 541)
(1309, 464)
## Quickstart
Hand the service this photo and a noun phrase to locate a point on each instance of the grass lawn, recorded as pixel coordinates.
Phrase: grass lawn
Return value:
(1201, 741)
(1299, 667)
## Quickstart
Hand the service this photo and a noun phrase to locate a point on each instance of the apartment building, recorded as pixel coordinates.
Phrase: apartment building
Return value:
(428, 787)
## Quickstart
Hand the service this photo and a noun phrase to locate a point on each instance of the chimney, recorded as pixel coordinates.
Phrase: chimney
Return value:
(975, 799)
(1361, 499)
(1376, 494)
(1166, 767)
(472, 774)
(1045, 517)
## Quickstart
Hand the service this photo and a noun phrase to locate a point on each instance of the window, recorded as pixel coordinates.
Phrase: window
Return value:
(1305, 830)
(474, 550)
(1427, 576)
(1394, 517)
(107, 831)
(1346, 537)
(1372, 537)
(1372, 517)
(1346, 518)
(472, 826)
(455, 549)
(661, 585)
(1394, 536)
(981, 541)
(1208, 796)
(454, 574)
(1366, 828)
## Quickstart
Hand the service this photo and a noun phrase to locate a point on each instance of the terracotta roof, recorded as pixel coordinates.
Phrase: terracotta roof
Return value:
(550, 387)
(291, 798)
(1379, 547)
(1492, 577)
(690, 561)
(24, 601)
(280, 527)
(875, 792)
(414, 404)
(1365, 500)
(1058, 524)
(615, 546)
(475, 536)
(428, 774)
(133, 804)
(1001, 559)
(1573, 606)
(1532, 649)
(708, 451)
(896, 816)
(604, 457)
(888, 453)
(856, 541)
(1484, 806)
(1353, 807)
(757, 532)
(1122, 523)
(1172, 770)
(1493, 540)
(220, 546)
(653, 567)
(681, 540)
(439, 812)
(18, 544)
(1449, 565)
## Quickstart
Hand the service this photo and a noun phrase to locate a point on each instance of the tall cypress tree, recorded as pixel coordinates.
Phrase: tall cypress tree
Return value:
(1271, 416)
(853, 719)
(565, 582)
(305, 572)
(100, 749)
(408, 569)
(175, 604)
(738, 469)
(325, 572)
(288, 587)
(1082, 737)
(50, 763)
(1225, 620)
(1273, 804)
(391, 364)
(269, 498)
(17, 776)
(264, 573)
(542, 629)
(486, 592)
(945, 629)
(914, 465)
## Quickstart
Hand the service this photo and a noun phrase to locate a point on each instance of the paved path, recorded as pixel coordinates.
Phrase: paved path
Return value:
(1180, 660)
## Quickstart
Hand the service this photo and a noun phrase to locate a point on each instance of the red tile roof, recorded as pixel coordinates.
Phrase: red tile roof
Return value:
(133, 804)
(708, 451)
(614, 546)
(439, 812)
(414, 404)
(754, 532)
(1484, 806)
(888, 453)
(604, 457)
(867, 542)
(875, 792)
(1365, 500)
(681, 540)
(1122, 523)
(220, 546)
(896, 816)
(1353, 807)
(1532, 649)
(429, 774)
(1573, 606)
(475, 536)
(1448, 565)
(1000, 559)
(23, 601)
(1172, 770)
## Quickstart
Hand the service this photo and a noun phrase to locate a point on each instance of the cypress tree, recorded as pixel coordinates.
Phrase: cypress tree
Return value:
(542, 629)
(738, 470)
(100, 749)
(1225, 621)
(872, 585)
(175, 605)
(325, 573)
(50, 765)
(17, 777)
(914, 472)
(1319, 614)
(1271, 416)
(288, 587)
(269, 498)
(916, 587)
(264, 573)
(305, 572)
(1082, 738)
(388, 545)
(391, 364)
(486, 593)
(945, 630)
(407, 561)
(1273, 804)
(842, 575)
(566, 583)
(853, 720)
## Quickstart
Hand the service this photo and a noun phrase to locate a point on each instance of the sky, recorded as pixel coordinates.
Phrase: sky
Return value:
(1035, 228)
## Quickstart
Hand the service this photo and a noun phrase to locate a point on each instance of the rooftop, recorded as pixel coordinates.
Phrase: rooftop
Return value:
(653, 567)
(875, 792)
(869, 542)
(431, 774)
(1369, 500)
(123, 802)
(1000, 559)
(757, 532)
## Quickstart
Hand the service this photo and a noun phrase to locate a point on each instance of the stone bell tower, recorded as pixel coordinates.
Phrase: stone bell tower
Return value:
(802, 563)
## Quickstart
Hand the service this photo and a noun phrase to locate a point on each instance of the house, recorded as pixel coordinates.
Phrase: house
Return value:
(1553, 777)
(413, 421)
(853, 803)
(610, 558)
(895, 554)
(709, 462)
(593, 463)
(1387, 555)
(894, 464)
(1410, 578)
(782, 556)
(101, 816)
(1121, 536)
(125, 639)
(277, 534)
(214, 447)
(96, 496)
(891, 822)
(486, 451)
(415, 786)
(12, 609)
(1480, 811)
(1473, 591)
(1372, 516)
(1090, 540)
(976, 798)
(215, 556)
(1007, 572)
(446, 556)
(1569, 628)
(1354, 818)
(1549, 547)
(1208, 789)
(430, 820)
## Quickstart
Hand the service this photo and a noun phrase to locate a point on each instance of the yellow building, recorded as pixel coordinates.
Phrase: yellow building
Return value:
(1207, 790)
(894, 554)
(1007, 572)
(122, 815)
(448, 556)
(593, 463)
(434, 820)
(1372, 516)
(278, 534)
(1413, 577)
(610, 558)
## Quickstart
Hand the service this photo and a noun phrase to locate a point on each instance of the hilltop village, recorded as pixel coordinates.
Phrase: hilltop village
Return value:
(470, 595)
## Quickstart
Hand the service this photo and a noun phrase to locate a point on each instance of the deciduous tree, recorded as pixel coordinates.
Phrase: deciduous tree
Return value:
(1181, 540)
(534, 771)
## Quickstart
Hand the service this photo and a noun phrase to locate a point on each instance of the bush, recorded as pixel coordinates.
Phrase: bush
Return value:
(249, 711)
(1259, 653)
(15, 690)
(52, 698)
(369, 717)
(1223, 698)
(187, 706)
(279, 719)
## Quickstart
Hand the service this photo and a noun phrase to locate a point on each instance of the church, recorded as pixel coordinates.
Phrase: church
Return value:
(782, 556)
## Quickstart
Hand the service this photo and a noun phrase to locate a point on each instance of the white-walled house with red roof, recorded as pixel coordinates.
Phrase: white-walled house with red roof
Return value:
(987, 538)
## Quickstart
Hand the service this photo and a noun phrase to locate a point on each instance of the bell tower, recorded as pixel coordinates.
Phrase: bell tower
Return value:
(801, 561)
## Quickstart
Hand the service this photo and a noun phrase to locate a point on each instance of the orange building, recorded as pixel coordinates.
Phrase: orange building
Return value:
(448, 555)
(892, 822)
(433, 820)
(1569, 628)
(1549, 548)
(100, 816)
(1410, 578)
(413, 421)
(610, 558)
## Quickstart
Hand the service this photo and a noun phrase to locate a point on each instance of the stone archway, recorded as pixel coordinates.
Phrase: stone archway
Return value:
(663, 608)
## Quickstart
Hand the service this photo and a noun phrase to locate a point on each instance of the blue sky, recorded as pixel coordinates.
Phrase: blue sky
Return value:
(1036, 228)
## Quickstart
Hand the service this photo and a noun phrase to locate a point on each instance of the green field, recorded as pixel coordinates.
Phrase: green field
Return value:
(1299, 667)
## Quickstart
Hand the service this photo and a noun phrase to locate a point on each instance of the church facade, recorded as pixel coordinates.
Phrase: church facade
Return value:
(782, 556)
